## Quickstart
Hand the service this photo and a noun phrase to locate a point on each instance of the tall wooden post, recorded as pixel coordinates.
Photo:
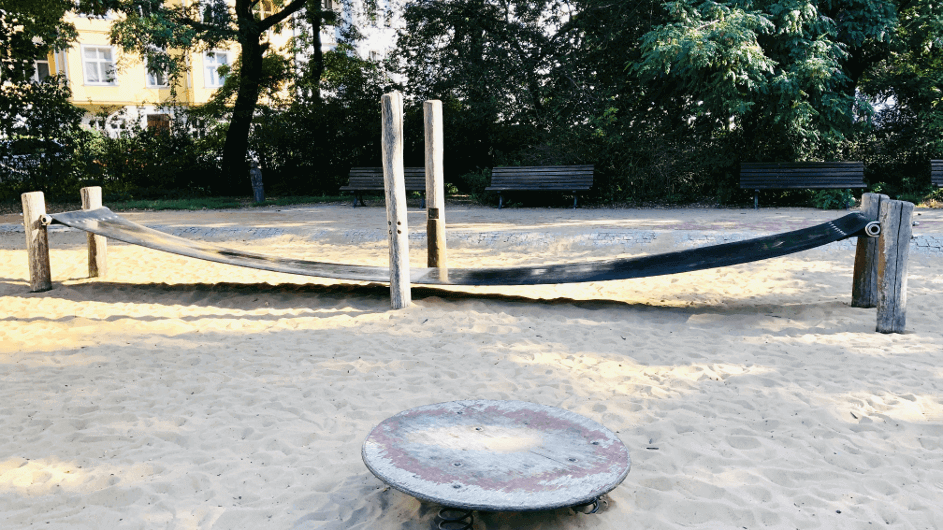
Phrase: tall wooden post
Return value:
(37, 241)
(97, 245)
(864, 288)
(896, 232)
(394, 181)
(435, 185)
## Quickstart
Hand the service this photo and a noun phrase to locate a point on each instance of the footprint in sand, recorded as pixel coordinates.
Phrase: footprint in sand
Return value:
(743, 443)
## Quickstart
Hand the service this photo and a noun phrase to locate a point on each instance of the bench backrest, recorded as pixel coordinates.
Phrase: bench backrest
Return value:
(566, 178)
(936, 172)
(371, 178)
(802, 175)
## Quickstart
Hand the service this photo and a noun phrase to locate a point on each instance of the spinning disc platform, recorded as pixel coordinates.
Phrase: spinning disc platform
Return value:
(496, 456)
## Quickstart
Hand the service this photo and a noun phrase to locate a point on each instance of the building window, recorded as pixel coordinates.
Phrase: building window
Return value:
(327, 5)
(198, 128)
(40, 70)
(375, 56)
(157, 78)
(97, 123)
(211, 63)
(99, 65)
(214, 12)
(264, 9)
(158, 122)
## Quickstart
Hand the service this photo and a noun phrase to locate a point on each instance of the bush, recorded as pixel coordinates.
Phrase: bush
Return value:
(833, 199)
(474, 183)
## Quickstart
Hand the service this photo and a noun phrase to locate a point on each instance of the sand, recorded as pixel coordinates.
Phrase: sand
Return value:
(182, 394)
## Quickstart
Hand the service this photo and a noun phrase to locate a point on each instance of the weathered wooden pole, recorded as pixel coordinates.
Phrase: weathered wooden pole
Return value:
(435, 185)
(864, 288)
(97, 245)
(37, 241)
(394, 182)
(896, 232)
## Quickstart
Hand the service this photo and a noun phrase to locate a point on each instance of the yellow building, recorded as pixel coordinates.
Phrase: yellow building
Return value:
(106, 81)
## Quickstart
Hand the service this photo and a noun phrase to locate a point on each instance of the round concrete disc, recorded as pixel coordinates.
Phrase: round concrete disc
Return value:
(496, 455)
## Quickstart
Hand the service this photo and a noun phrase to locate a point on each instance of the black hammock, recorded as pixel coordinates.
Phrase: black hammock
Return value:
(104, 222)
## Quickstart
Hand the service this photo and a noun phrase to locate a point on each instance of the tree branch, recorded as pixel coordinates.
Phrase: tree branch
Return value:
(286, 12)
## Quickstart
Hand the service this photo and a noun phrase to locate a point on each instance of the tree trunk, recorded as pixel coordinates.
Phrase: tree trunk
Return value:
(316, 69)
(235, 168)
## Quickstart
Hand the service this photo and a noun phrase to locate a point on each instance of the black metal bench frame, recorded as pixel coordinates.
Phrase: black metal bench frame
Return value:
(800, 175)
(573, 179)
(936, 173)
(362, 179)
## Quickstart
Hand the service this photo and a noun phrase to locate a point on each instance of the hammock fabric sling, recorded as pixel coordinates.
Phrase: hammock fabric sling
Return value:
(104, 222)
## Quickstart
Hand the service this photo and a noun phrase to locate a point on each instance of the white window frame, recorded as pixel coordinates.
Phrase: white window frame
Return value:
(36, 63)
(111, 72)
(210, 68)
(202, 5)
(265, 9)
(153, 80)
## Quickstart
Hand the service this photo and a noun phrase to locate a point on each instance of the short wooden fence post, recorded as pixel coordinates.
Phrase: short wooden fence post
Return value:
(896, 232)
(864, 288)
(97, 245)
(435, 185)
(394, 182)
(37, 241)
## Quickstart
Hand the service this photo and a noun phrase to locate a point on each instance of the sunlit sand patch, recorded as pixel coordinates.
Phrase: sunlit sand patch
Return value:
(249, 393)
(627, 371)
(50, 475)
(904, 407)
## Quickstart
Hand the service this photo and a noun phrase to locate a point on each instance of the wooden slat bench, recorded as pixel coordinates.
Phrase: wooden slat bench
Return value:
(573, 179)
(800, 175)
(936, 173)
(371, 179)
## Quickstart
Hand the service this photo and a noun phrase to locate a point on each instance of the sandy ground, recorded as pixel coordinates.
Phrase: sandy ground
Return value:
(183, 394)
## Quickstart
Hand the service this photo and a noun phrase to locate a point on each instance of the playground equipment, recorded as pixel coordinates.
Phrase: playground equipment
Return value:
(880, 272)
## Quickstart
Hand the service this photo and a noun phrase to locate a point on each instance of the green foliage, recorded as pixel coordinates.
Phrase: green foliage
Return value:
(667, 98)
(309, 146)
(664, 98)
(488, 61)
(30, 30)
(474, 183)
(776, 77)
(146, 163)
(38, 125)
(165, 32)
(42, 132)
(833, 199)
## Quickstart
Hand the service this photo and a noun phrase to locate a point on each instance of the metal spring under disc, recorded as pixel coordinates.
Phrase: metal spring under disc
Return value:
(455, 519)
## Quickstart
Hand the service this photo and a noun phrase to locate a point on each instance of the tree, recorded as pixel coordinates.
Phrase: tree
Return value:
(909, 83)
(488, 59)
(156, 30)
(37, 121)
(782, 73)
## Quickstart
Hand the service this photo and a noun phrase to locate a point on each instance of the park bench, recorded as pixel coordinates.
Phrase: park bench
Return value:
(936, 172)
(800, 175)
(364, 179)
(573, 179)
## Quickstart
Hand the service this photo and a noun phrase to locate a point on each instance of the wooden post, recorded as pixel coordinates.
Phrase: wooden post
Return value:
(864, 288)
(37, 241)
(394, 182)
(435, 185)
(97, 245)
(896, 232)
